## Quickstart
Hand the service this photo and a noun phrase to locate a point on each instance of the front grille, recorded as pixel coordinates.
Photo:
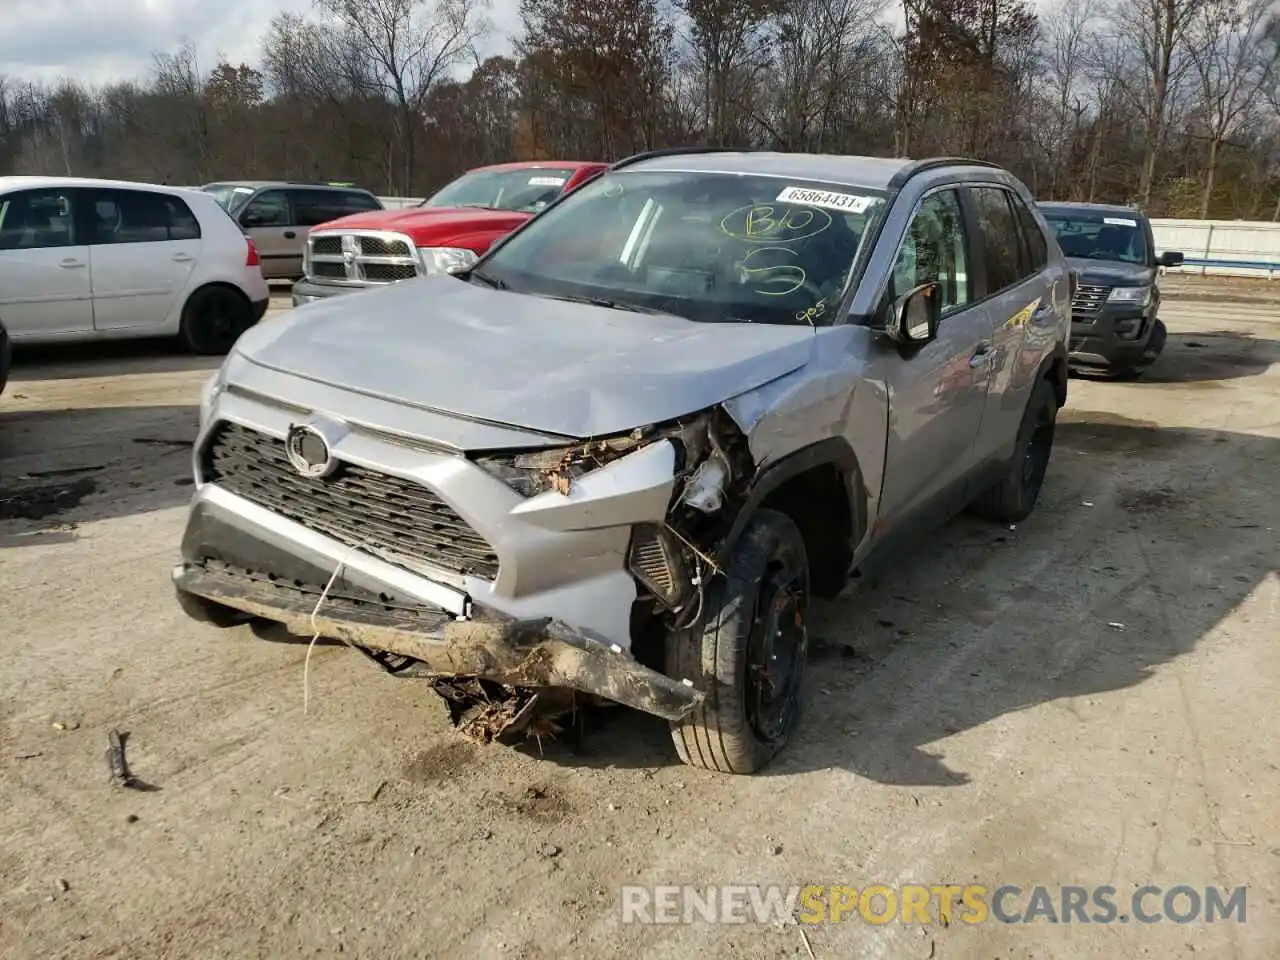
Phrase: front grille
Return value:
(396, 520)
(389, 272)
(328, 271)
(382, 247)
(361, 258)
(1089, 300)
(331, 246)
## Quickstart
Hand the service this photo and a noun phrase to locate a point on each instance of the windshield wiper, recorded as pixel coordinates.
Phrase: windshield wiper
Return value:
(487, 280)
(606, 303)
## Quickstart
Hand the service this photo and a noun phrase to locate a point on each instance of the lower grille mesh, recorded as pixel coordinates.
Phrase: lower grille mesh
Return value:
(393, 519)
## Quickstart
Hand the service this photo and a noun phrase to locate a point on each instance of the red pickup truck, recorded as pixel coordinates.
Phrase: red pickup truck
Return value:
(446, 232)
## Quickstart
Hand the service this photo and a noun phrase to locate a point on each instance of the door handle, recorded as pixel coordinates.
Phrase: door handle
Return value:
(289, 234)
(70, 264)
(981, 354)
(182, 258)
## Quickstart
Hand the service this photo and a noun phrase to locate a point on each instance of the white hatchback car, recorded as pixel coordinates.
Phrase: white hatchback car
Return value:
(84, 259)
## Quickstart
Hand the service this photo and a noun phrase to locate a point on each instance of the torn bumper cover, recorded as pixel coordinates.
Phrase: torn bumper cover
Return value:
(528, 654)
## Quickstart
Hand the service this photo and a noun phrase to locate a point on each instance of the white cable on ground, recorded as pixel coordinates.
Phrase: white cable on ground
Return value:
(315, 629)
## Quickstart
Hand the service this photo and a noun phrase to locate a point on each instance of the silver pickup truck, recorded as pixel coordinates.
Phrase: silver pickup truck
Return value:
(614, 459)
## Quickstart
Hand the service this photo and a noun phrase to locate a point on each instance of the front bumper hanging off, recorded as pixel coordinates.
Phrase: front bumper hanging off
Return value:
(529, 654)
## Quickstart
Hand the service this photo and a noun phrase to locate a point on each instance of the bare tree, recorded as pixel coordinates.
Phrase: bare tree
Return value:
(1068, 33)
(412, 45)
(1149, 60)
(1234, 59)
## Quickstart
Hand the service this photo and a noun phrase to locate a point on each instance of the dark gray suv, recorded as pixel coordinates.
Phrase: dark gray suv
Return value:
(614, 458)
(1115, 324)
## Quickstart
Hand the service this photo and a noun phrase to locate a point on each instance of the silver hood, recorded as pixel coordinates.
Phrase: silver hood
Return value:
(576, 370)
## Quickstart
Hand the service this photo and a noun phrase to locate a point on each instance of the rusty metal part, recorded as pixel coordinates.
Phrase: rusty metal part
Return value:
(528, 654)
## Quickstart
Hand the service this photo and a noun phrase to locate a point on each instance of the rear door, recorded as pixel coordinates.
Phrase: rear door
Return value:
(1019, 287)
(270, 221)
(143, 247)
(45, 290)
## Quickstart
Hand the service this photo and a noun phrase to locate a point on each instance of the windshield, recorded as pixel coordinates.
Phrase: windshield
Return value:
(230, 198)
(527, 190)
(705, 246)
(1097, 236)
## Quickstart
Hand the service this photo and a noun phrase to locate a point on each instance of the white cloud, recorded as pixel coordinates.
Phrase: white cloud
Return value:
(99, 41)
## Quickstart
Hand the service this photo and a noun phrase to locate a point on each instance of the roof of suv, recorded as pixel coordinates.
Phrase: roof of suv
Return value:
(303, 184)
(1119, 209)
(875, 173)
(33, 182)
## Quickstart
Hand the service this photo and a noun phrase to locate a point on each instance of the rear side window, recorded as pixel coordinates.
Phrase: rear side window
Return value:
(135, 216)
(314, 207)
(1001, 238)
(1037, 247)
(270, 208)
(37, 219)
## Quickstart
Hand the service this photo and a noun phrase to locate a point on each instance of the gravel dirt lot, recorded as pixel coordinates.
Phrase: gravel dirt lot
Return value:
(1090, 698)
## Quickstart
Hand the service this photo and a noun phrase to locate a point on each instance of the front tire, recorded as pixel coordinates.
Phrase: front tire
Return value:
(213, 319)
(747, 652)
(1013, 497)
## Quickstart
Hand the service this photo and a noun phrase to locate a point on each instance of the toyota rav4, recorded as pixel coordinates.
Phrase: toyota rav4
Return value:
(645, 429)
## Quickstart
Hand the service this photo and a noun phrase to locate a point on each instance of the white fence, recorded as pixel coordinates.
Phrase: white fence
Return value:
(1240, 248)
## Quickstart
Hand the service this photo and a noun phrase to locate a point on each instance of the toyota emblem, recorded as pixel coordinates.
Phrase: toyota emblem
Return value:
(308, 451)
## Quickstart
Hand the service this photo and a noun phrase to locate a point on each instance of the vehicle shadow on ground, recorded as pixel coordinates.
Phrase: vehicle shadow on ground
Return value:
(1212, 355)
(1204, 358)
(1129, 560)
(105, 358)
(60, 468)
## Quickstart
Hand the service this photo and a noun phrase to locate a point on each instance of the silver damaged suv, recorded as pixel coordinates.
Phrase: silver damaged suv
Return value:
(613, 461)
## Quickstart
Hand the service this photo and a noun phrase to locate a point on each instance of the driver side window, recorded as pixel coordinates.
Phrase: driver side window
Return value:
(934, 250)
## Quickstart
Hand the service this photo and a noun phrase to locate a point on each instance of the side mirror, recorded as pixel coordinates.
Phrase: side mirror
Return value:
(913, 317)
(1170, 258)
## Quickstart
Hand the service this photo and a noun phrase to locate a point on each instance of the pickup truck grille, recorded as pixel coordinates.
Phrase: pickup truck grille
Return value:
(396, 520)
(1089, 300)
(360, 258)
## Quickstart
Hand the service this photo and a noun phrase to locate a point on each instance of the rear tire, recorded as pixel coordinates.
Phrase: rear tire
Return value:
(1013, 497)
(747, 652)
(213, 319)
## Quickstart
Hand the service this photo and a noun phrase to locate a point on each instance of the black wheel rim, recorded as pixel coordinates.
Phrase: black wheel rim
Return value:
(776, 652)
(1035, 460)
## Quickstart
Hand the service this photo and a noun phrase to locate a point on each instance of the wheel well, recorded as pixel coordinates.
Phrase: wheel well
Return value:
(818, 501)
(217, 285)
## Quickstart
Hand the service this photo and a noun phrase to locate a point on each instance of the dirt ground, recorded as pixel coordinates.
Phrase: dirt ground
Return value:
(1090, 698)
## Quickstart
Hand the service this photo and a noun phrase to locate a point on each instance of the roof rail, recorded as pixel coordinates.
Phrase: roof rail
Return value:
(932, 163)
(671, 152)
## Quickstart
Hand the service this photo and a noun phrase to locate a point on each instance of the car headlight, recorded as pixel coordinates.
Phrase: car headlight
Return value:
(1130, 294)
(531, 472)
(446, 259)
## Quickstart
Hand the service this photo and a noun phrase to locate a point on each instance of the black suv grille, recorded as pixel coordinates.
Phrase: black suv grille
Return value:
(396, 520)
(1089, 300)
(379, 247)
(327, 245)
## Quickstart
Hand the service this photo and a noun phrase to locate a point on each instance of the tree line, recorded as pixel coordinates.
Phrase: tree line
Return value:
(1170, 104)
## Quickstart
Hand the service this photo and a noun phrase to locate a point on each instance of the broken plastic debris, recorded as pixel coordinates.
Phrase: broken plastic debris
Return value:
(1117, 626)
(615, 648)
(687, 682)
(1086, 503)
